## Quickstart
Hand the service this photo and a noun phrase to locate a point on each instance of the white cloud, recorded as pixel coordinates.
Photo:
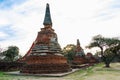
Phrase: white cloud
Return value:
(72, 19)
(3, 35)
(3, 21)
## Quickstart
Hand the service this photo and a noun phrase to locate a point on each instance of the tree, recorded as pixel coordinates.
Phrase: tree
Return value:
(112, 52)
(11, 53)
(69, 51)
(106, 45)
(2, 56)
(0, 50)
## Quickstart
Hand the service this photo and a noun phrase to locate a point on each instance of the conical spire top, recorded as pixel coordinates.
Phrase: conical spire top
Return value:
(78, 42)
(47, 19)
(79, 50)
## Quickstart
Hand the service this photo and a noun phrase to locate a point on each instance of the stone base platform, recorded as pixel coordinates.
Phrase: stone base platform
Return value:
(42, 75)
(80, 66)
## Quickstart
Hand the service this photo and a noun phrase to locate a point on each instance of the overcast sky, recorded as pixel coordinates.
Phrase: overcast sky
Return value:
(20, 21)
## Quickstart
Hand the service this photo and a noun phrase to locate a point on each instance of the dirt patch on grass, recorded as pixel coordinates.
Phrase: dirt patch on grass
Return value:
(97, 73)
(103, 76)
(100, 73)
(115, 66)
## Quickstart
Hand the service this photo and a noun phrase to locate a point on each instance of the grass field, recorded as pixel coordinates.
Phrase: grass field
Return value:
(96, 72)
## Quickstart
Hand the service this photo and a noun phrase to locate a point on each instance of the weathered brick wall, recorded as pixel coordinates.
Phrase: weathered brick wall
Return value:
(45, 64)
(79, 60)
(10, 66)
(45, 68)
(46, 59)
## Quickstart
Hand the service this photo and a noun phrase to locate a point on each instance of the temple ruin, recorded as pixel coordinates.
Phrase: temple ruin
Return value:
(44, 56)
(80, 55)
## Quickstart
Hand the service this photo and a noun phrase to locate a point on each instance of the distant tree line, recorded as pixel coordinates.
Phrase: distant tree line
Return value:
(69, 52)
(10, 54)
(8, 59)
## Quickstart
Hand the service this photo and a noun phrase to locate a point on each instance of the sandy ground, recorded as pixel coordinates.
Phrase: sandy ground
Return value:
(105, 74)
(98, 73)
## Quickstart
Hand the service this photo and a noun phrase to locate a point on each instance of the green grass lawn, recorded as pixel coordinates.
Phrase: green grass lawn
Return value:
(96, 72)
(1, 73)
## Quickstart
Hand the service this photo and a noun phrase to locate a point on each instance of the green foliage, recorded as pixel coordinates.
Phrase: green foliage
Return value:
(97, 41)
(112, 52)
(69, 51)
(1, 73)
(11, 53)
(107, 47)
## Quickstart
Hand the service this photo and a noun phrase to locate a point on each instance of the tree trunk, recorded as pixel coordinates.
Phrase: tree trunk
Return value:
(107, 65)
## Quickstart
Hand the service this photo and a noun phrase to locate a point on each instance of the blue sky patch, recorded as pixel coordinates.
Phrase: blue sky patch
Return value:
(9, 31)
(7, 4)
(115, 4)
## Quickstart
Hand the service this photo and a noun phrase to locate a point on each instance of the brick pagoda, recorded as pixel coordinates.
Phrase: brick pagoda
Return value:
(44, 56)
(80, 56)
(91, 58)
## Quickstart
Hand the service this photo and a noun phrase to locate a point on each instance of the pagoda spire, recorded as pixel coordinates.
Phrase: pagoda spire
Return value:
(79, 50)
(78, 42)
(78, 47)
(47, 18)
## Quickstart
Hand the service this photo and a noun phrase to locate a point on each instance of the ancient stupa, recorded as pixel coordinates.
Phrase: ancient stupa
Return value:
(44, 57)
(91, 58)
(79, 56)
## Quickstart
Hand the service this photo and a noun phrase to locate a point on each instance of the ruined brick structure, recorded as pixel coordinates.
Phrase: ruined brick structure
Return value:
(80, 56)
(91, 58)
(45, 54)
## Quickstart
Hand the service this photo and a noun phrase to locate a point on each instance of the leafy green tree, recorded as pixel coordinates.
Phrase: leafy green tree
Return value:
(69, 52)
(2, 56)
(111, 53)
(11, 53)
(105, 45)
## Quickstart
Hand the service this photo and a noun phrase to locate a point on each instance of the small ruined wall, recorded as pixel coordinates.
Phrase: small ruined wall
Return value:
(10, 66)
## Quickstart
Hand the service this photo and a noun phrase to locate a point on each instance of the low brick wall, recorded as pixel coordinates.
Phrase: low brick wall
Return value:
(10, 66)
